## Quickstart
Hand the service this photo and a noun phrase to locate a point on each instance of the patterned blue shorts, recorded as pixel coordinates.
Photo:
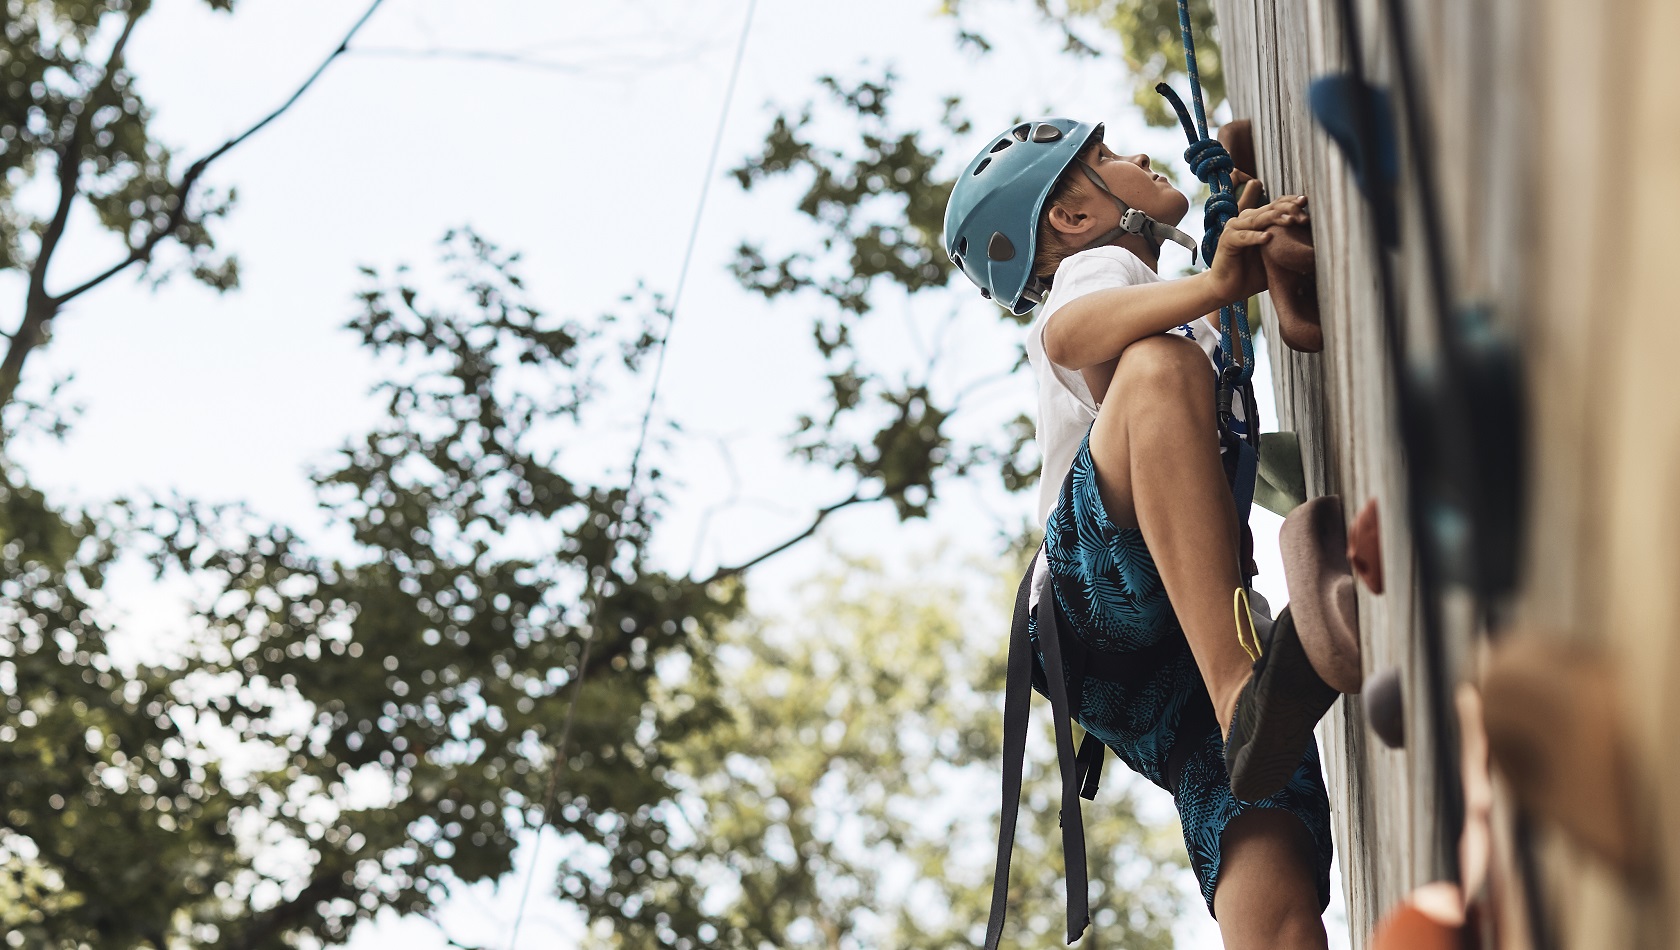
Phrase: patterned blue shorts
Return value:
(1139, 690)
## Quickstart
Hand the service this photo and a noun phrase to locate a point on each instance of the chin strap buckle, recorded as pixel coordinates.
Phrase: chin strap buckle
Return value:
(1133, 221)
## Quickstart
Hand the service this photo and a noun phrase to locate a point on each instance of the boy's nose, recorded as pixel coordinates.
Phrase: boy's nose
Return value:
(1140, 160)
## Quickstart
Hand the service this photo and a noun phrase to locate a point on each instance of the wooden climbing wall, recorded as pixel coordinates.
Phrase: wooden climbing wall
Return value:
(1473, 58)
(1555, 140)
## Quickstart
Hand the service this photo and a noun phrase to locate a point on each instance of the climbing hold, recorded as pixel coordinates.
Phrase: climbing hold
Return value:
(1385, 707)
(1281, 486)
(1238, 138)
(1555, 732)
(1430, 918)
(1465, 438)
(999, 248)
(1365, 546)
(1338, 102)
(1321, 597)
(1292, 280)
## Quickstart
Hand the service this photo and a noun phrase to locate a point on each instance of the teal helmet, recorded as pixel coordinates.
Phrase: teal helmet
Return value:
(991, 220)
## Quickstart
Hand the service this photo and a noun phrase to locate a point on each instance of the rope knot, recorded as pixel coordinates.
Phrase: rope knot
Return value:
(1221, 207)
(1208, 160)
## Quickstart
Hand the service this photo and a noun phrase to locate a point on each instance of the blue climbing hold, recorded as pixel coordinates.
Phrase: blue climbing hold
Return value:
(1339, 102)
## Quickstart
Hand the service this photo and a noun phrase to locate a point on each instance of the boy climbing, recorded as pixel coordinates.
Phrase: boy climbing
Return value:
(1141, 582)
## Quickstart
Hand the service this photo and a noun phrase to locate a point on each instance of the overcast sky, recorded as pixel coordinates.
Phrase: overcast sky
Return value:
(592, 169)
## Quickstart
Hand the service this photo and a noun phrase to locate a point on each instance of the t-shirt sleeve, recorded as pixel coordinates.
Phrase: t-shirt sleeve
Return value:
(1080, 275)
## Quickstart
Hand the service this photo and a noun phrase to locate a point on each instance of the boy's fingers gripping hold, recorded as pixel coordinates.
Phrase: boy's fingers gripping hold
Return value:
(1253, 195)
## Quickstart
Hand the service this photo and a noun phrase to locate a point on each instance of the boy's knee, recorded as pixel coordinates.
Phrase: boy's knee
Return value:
(1164, 365)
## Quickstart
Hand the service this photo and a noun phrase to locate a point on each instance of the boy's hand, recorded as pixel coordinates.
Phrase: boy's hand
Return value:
(1237, 273)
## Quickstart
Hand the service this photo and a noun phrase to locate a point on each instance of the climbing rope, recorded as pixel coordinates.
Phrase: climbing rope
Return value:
(1211, 164)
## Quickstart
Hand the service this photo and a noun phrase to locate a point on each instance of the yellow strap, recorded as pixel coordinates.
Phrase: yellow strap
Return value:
(1241, 612)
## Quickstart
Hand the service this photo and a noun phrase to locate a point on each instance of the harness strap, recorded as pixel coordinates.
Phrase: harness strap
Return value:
(1073, 823)
(1017, 698)
(1080, 773)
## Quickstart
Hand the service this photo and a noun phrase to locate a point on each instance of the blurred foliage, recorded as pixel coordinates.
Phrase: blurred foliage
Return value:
(878, 204)
(393, 717)
(1149, 38)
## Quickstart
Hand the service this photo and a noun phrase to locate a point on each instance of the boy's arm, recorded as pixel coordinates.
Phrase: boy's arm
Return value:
(1096, 327)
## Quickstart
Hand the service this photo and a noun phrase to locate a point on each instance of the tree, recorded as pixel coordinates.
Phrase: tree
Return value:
(72, 106)
(1149, 39)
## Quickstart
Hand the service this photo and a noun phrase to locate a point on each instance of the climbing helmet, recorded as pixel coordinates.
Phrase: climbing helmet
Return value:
(991, 221)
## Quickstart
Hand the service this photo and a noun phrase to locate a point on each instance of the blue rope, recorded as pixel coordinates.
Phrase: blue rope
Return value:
(1211, 164)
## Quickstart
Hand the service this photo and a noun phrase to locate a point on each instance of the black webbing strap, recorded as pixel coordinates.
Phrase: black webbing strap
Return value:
(1017, 695)
(1077, 772)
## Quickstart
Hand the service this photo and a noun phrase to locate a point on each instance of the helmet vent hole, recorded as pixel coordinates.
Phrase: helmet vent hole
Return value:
(1046, 133)
(999, 248)
(1020, 132)
(982, 166)
(1001, 145)
(962, 248)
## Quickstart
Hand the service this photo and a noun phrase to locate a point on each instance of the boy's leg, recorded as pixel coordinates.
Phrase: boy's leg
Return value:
(1266, 898)
(1156, 451)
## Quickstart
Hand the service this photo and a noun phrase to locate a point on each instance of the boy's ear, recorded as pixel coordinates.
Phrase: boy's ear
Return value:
(1068, 220)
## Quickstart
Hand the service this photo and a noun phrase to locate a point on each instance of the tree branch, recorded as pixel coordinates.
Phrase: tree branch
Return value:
(810, 529)
(39, 306)
(144, 250)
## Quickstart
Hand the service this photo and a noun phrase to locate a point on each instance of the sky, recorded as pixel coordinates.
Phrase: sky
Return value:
(591, 166)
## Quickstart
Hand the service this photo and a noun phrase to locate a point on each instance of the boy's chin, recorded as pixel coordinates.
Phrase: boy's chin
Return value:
(1176, 210)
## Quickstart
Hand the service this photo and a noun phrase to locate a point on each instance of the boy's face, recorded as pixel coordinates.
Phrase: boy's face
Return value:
(1134, 182)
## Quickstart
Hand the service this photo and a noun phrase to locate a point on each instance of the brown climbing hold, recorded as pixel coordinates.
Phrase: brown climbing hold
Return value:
(1292, 280)
(1321, 598)
(1238, 138)
(1555, 731)
(1365, 546)
(1430, 918)
(1385, 707)
(1289, 258)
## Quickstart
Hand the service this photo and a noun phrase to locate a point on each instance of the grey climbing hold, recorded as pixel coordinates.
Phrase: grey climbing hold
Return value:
(1385, 707)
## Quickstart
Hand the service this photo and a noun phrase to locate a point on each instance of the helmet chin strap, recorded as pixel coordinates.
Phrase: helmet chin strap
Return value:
(1133, 221)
